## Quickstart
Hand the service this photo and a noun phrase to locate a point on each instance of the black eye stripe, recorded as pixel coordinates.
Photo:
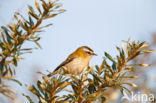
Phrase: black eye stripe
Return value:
(89, 53)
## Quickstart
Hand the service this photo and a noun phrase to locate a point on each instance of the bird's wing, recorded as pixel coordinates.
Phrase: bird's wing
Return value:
(62, 64)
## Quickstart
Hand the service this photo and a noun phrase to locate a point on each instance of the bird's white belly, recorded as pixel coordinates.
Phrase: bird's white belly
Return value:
(76, 66)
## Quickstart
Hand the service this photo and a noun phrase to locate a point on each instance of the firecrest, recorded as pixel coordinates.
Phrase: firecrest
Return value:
(76, 63)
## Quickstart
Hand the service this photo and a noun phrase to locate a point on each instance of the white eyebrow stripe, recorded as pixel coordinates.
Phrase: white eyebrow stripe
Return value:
(87, 50)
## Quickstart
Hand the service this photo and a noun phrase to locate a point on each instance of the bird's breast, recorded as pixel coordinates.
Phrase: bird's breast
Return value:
(76, 66)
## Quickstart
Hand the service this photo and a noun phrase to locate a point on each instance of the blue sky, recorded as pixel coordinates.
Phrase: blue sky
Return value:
(99, 24)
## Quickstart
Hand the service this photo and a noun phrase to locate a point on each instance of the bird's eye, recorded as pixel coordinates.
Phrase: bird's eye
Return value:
(89, 53)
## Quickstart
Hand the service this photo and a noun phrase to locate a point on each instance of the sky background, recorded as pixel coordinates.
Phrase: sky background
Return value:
(99, 24)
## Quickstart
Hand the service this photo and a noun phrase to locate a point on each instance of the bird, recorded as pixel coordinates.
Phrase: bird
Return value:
(76, 63)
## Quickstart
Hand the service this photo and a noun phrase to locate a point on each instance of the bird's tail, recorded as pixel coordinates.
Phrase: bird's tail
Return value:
(52, 73)
(59, 71)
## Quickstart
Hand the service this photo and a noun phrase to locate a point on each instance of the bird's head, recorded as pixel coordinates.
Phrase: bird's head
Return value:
(85, 52)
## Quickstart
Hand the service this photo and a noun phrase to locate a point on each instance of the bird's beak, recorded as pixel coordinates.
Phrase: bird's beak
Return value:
(94, 54)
